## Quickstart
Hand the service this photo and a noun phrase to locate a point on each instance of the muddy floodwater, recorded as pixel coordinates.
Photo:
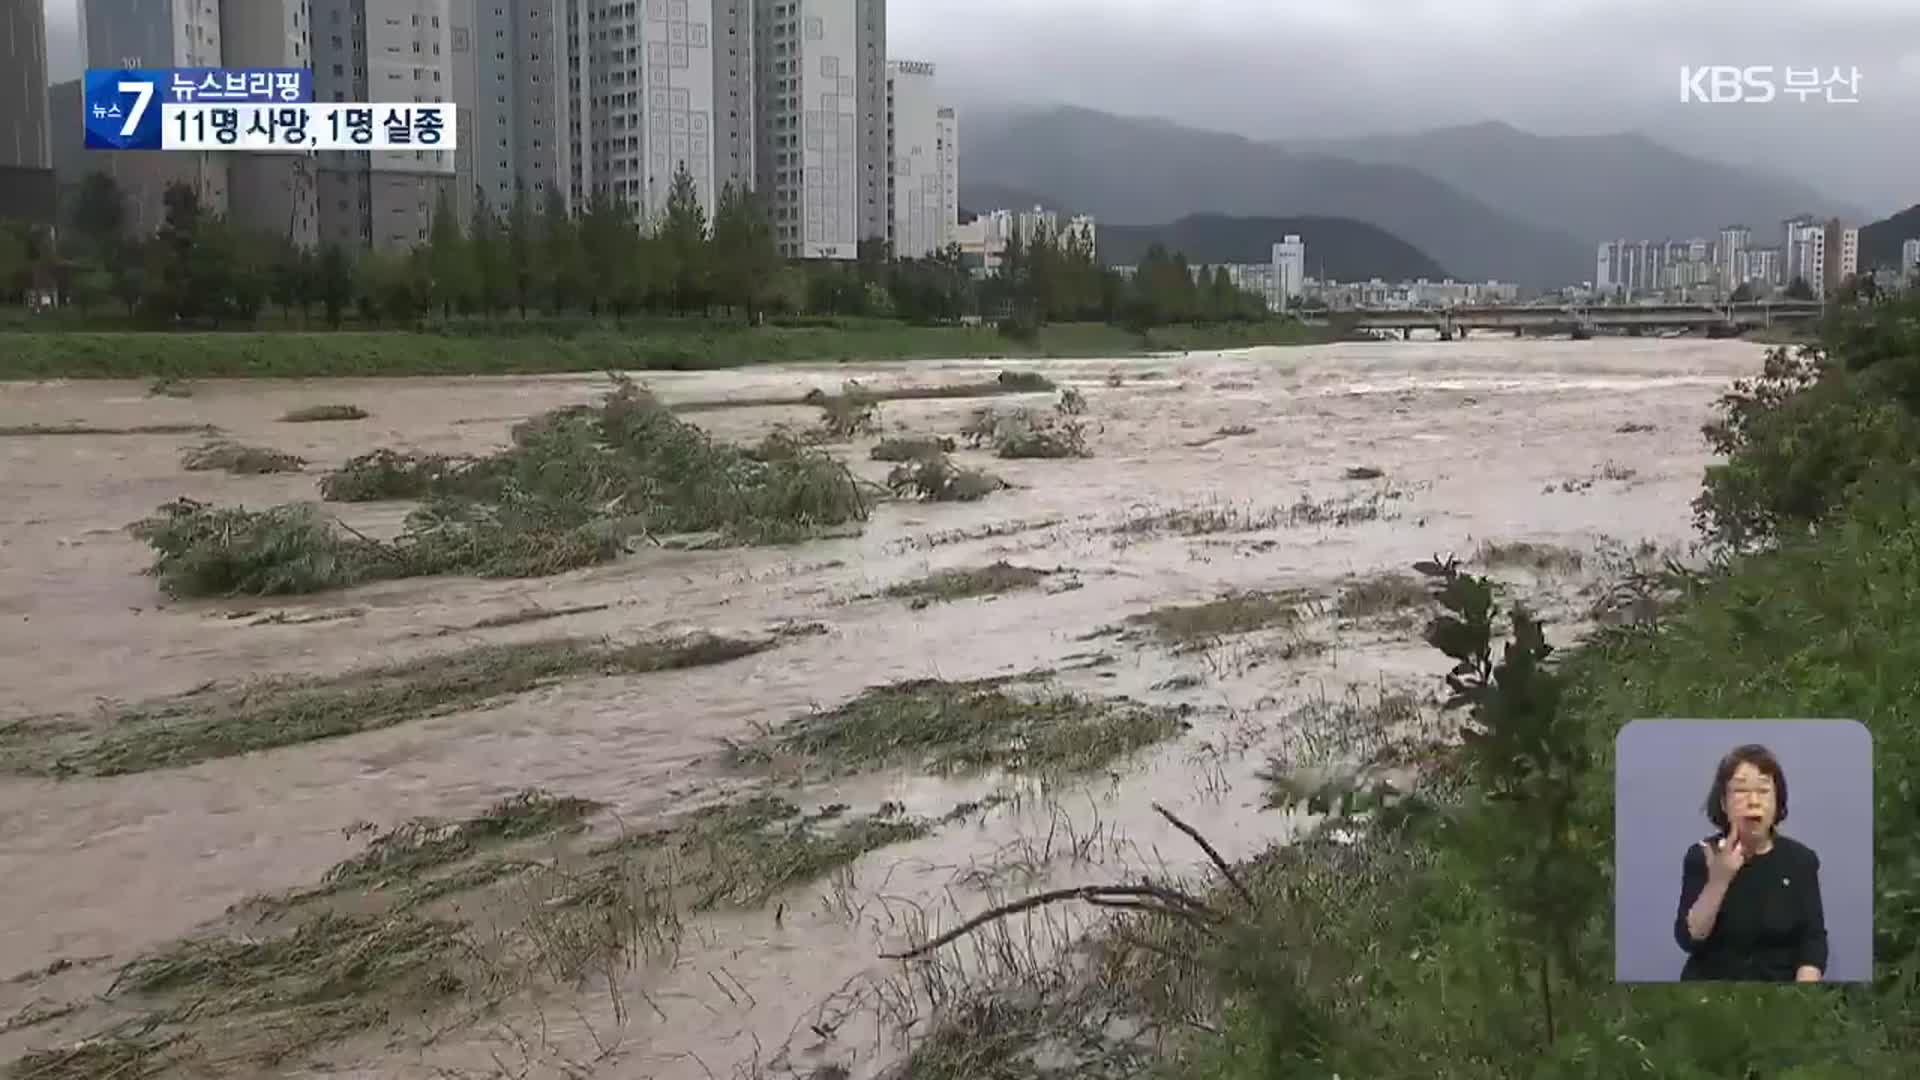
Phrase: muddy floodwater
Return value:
(1582, 445)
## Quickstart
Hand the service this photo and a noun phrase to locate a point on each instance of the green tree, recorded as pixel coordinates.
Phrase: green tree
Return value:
(99, 215)
(1798, 289)
(291, 279)
(524, 272)
(451, 270)
(683, 231)
(333, 283)
(606, 234)
(15, 265)
(1742, 294)
(744, 254)
(562, 267)
(487, 247)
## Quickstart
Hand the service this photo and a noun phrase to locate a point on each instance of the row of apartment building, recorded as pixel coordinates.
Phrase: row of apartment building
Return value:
(793, 98)
(1821, 254)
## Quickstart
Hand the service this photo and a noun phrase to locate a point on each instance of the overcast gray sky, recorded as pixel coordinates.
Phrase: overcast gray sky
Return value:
(1273, 68)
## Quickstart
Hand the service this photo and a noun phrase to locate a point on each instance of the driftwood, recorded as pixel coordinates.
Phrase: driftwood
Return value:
(1146, 896)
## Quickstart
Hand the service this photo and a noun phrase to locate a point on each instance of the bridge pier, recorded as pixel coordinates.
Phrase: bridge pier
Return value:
(1406, 333)
(1519, 331)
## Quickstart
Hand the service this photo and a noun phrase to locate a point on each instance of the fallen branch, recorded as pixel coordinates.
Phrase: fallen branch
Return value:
(1226, 871)
(1172, 902)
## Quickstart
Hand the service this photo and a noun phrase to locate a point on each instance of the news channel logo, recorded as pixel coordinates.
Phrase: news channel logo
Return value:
(125, 107)
(1725, 84)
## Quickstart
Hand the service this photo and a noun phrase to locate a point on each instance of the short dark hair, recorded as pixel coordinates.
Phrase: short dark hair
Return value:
(1760, 758)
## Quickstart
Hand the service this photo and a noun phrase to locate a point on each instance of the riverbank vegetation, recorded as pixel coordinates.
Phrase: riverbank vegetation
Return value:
(531, 288)
(1464, 930)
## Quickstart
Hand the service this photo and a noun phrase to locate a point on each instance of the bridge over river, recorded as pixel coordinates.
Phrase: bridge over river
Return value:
(1451, 321)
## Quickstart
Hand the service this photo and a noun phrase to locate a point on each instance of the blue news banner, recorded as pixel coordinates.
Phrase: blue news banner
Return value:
(258, 109)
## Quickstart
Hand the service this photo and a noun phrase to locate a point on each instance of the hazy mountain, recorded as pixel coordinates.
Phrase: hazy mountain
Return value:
(978, 198)
(1880, 242)
(1341, 248)
(1126, 170)
(1596, 187)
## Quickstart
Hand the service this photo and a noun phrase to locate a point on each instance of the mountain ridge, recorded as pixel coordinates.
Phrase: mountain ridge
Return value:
(1130, 171)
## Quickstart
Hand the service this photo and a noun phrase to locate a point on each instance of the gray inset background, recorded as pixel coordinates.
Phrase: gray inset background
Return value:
(1663, 771)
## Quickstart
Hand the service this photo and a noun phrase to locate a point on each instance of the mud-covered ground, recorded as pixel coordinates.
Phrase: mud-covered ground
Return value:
(1212, 476)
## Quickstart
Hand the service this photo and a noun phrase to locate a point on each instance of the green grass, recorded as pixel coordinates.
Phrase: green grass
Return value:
(962, 727)
(178, 731)
(673, 345)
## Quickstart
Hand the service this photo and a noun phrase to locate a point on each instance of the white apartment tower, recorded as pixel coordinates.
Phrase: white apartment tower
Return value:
(382, 51)
(1909, 259)
(923, 192)
(1734, 242)
(819, 96)
(1289, 271)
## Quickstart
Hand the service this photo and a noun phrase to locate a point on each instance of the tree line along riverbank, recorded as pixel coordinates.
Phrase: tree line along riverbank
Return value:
(664, 345)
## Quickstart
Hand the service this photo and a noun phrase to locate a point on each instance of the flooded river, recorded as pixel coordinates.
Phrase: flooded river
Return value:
(1565, 443)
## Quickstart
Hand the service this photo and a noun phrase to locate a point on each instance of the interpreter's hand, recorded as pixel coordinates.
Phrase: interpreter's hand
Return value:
(1725, 857)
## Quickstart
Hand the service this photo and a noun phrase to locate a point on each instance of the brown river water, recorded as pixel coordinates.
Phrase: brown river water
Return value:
(1477, 440)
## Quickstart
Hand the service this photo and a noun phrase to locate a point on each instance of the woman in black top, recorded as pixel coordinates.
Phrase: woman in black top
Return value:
(1749, 897)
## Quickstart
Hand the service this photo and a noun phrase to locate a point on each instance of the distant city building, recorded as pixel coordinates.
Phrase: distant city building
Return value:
(1763, 267)
(1289, 272)
(923, 192)
(983, 241)
(1842, 256)
(1909, 258)
(1732, 255)
(1801, 239)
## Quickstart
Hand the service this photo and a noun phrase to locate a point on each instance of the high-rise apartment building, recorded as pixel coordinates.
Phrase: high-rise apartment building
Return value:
(1289, 272)
(668, 86)
(923, 191)
(274, 193)
(384, 51)
(1842, 259)
(1796, 251)
(873, 157)
(25, 137)
(1763, 266)
(1734, 242)
(1909, 259)
(820, 99)
(156, 34)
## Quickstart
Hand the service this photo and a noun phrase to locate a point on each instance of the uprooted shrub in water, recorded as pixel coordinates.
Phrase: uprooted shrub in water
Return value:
(237, 458)
(575, 487)
(852, 412)
(390, 474)
(913, 448)
(1027, 433)
(938, 479)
